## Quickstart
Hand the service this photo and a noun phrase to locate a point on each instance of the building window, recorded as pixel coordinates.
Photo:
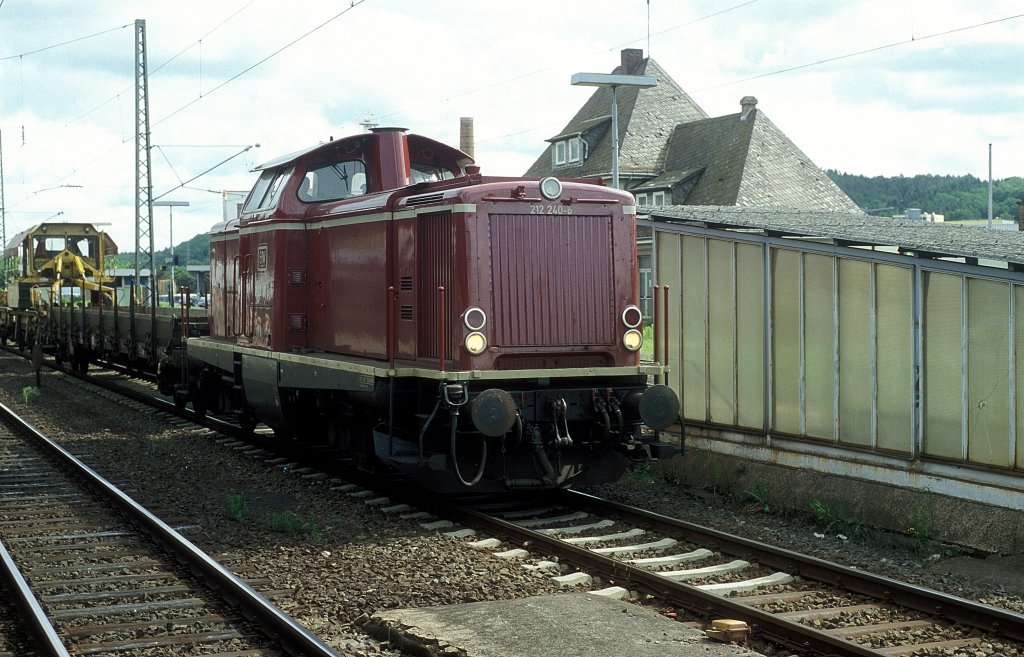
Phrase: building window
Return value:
(646, 278)
(658, 199)
(574, 150)
(559, 153)
(567, 151)
(641, 199)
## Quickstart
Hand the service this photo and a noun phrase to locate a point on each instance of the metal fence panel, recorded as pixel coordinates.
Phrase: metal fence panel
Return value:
(943, 366)
(721, 315)
(1018, 372)
(894, 313)
(856, 353)
(988, 395)
(819, 325)
(750, 336)
(694, 327)
(786, 344)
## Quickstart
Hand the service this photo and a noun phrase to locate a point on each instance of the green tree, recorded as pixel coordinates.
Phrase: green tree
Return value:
(956, 197)
(183, 278)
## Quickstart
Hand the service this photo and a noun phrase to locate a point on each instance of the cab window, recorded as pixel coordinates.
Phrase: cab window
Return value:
(333, 181)
(429, 173)
(267, 190)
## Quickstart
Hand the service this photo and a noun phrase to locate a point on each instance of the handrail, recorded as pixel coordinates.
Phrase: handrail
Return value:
(442, 337)
(665, 332)
(249, 321)
(655, 323)
(389, 305)
(236, 305)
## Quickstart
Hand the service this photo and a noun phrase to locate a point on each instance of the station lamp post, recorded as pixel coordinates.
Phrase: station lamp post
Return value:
(170, 205)
(613, 81)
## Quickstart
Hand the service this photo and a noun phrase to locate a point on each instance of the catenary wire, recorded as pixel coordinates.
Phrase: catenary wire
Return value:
(863, 52)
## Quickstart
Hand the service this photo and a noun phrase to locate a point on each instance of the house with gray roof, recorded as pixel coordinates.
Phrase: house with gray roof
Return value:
(672, 153)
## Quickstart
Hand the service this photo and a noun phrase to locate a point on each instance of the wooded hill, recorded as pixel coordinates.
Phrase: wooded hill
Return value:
(957, 197)
(195, 251)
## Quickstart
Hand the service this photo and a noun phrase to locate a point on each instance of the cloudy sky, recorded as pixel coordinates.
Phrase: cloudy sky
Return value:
(882, 87)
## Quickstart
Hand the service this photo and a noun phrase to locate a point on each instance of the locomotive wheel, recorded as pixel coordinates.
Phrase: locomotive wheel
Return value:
(195, 393)
(247, 423)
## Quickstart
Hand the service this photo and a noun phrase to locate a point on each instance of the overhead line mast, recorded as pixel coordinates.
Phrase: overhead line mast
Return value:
(3, 217)
(144, 256)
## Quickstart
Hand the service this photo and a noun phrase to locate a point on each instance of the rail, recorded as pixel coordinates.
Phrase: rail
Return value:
(787, 631)
(44, 638)
(293, 637)
(1007, 623)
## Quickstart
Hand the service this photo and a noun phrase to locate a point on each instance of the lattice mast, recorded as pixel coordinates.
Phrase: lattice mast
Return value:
(144, 255)
(3, 219)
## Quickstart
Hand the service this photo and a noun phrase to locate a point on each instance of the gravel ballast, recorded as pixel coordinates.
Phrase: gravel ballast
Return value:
(332, 561)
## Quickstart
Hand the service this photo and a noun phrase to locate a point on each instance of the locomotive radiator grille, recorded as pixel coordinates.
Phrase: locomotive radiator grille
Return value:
(553, 283)
(436, 248)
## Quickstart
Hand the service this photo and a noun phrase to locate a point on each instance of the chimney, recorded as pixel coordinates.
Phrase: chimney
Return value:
(631, 58)
(1020, 216)
(747, 106)
(467, 143)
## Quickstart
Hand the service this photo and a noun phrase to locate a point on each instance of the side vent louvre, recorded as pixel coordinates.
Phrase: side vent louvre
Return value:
(405, 312)
(415, 201)
(296, 277)
(297, 322)
(405, 284)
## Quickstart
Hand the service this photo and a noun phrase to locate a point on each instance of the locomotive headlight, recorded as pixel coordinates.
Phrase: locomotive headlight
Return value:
(632, 339)
(550, 188)
(474, 318)
(632, 317)
(476, 343)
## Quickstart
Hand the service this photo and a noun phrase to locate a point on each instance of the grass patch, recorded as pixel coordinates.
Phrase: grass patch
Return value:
(830, 519)
(756, 500)
(638, 475)
(923, 529)
(30, 394)
(284, 522)
(237, 508)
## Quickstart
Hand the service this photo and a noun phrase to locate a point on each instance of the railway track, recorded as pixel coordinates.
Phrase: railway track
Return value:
(784, 597)
(92, 572)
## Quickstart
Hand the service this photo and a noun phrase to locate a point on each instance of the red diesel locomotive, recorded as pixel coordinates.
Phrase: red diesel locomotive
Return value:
(378, 293)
